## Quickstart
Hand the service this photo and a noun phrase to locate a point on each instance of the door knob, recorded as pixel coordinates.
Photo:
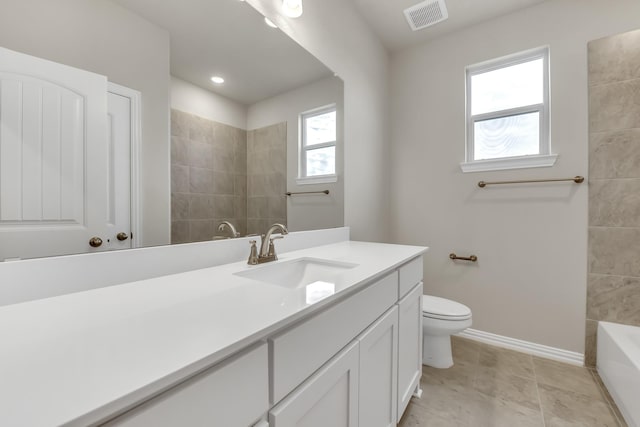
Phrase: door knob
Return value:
(95, 242)
(122, 236)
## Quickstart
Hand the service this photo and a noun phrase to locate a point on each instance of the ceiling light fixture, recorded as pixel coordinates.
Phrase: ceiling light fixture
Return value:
(292, 8)
(217, 80)
(269, 22)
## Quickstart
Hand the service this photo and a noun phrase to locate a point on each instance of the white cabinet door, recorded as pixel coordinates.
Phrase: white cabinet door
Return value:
(52, 157)
(409, 346)
(234, 393)
(379, 372)
(327, 398)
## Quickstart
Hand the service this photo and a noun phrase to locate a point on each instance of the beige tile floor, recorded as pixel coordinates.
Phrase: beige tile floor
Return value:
(494, 387)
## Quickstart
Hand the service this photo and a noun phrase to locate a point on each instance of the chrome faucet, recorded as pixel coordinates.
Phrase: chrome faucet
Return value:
(232, 229)
(267, 249)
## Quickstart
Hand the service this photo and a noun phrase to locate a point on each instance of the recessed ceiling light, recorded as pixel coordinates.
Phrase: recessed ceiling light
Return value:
(269, 22)
(292, 8)
(217, 79)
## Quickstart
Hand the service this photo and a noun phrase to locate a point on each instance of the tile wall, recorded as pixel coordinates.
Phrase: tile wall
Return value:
(613, 288)
(210, 181)
(266, 177)
(208, 177)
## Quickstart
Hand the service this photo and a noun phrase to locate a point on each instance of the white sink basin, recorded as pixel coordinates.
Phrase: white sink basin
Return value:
(298, 273)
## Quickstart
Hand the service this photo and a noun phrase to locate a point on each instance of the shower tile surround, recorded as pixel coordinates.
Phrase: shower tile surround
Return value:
(209, 179)
(266, 179)
(613, 288)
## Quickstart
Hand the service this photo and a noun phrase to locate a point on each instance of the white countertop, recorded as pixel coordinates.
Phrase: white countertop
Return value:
(74, 359)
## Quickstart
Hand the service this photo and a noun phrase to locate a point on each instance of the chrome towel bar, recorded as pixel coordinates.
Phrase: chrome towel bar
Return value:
(576, 179)
(471, 258)
(289, 193)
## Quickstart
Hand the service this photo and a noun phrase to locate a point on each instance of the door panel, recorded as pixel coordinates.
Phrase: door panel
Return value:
(379, 372)
(52, 151)
(119, 171)
(328, 398)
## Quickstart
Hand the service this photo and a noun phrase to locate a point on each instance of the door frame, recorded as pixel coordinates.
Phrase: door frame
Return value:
(136, 138)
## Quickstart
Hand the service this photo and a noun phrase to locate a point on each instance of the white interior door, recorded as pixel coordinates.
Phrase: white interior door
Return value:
(118, 233)
(53, 143)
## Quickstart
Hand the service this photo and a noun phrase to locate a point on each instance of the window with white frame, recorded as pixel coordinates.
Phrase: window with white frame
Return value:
(318, 144)
(508, 113)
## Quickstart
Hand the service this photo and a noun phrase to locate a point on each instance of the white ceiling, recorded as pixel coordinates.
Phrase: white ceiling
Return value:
(387, 20)
(230, 39)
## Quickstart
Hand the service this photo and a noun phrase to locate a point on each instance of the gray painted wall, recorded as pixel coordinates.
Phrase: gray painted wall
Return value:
(335, 33)
(531, 240)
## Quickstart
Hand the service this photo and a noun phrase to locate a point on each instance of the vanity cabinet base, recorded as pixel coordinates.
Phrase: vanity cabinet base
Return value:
(355, 363)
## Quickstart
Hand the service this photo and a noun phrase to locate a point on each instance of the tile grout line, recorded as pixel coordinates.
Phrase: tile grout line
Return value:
(611, 83)
(608, 130)
(617, 178)
(535, 376)
(614, 275)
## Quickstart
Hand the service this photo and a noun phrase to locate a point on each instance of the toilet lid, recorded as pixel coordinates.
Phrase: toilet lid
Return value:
(443, 308)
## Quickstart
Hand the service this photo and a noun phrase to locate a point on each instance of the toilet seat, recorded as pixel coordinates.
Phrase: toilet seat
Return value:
(444, 309)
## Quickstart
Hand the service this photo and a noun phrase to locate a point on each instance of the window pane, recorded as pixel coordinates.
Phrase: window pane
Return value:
(320, 128)
(509, 87)
(321, 161)
(507, 137)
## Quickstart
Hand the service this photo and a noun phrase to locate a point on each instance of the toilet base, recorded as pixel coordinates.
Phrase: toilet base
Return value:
(436, 351)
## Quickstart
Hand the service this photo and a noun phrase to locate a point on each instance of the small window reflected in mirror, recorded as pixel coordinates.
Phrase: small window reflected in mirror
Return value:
(318, 142)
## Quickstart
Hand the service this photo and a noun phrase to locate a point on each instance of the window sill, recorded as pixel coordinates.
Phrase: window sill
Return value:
(323, 179)
(541, 161)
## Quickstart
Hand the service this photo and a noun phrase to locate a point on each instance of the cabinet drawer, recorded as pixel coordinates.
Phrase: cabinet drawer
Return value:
(232, 393)
(300, 351)
(410, 275)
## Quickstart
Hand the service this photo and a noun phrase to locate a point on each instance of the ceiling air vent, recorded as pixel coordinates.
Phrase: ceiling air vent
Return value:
(425, 14)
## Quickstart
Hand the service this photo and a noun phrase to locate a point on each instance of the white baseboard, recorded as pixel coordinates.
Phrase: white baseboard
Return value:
(525, 346)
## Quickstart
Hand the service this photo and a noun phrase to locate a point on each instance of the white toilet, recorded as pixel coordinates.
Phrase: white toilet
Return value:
(441, 318)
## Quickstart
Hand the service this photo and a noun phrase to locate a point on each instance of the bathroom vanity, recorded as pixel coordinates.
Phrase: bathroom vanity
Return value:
(329, 335)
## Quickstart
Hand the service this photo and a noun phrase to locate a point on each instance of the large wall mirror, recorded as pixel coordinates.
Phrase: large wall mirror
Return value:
(207, 154)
